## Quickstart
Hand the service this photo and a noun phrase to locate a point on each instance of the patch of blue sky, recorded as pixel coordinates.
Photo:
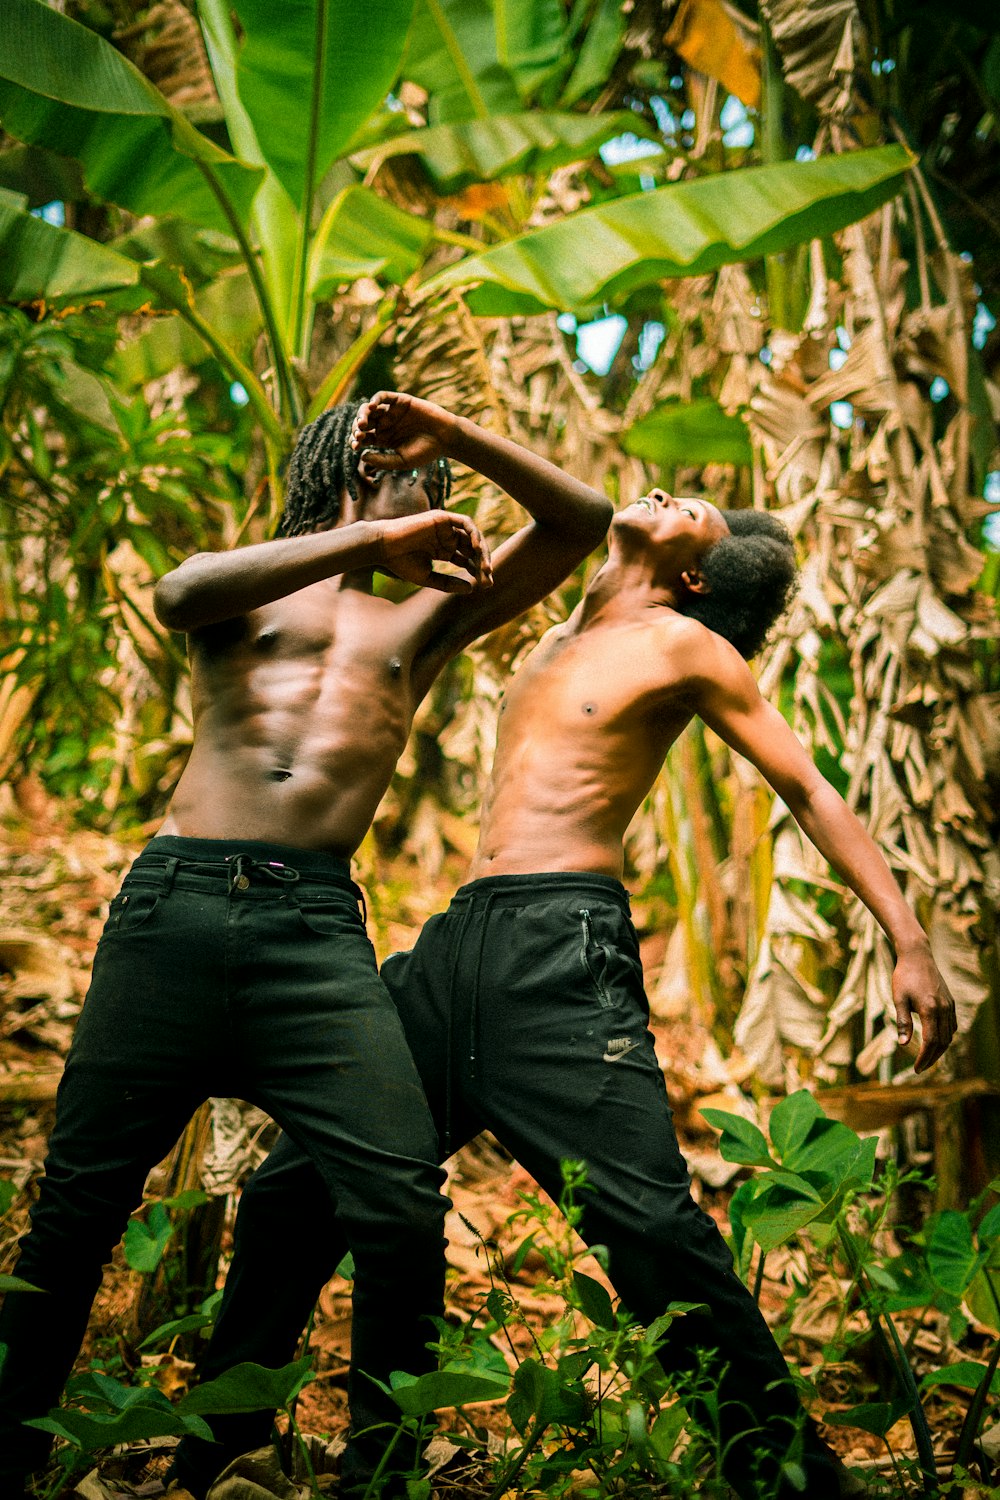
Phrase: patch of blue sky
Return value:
(598, 342)
(651, 336)
(841, 414)
(664, 115)
(991, 525)
(52, 213)
(939, 388)
(983, 325)
(628, 147)
(805, 153)
(736, 124)
(838, 358)
(238, 394)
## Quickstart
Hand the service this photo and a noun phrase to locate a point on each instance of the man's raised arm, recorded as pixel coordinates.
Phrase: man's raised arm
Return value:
(725, 696)
(215, 586)
(568, 518)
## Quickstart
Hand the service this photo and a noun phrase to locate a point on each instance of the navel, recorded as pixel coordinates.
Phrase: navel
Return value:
(395, 666)
(278, 774)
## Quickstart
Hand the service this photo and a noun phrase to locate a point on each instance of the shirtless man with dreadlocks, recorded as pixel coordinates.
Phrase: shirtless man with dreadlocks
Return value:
(523, 1003)
(234, 960)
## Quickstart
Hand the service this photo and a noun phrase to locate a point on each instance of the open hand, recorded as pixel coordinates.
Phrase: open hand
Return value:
(917, 985)
(408, 546)
(415, 431)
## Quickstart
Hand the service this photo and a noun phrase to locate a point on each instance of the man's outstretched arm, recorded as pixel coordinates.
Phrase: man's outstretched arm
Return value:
(568, 518)
(215, 586)
(726, 698)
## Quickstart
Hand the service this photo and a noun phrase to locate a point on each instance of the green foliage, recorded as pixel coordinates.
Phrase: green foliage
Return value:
(455, 156)
(64, 88)
(681, 230)
(689, 432)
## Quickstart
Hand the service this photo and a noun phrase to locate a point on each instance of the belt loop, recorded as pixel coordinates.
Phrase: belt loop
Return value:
(364, 907)
(167, 877)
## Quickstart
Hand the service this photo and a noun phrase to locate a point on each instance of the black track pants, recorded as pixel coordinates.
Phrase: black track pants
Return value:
(524, 1008)
(236, 969)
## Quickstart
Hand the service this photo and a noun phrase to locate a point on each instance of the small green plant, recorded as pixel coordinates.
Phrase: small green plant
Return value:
(816, 1175)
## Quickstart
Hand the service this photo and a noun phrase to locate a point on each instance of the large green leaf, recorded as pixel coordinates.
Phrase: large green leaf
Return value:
(39, 261)
(689, 432)
(952, 1257)
(364, 235)
(601, 46)
(248, 1387)
(481, 150)
(601, 254)
(419, 1397)
(531, 40)
(311, 72)
(452, 53)
(65, 88)
(742, 1140)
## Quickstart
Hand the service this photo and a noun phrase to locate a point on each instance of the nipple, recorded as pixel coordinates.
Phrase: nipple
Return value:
(395, 666)
(590, 708)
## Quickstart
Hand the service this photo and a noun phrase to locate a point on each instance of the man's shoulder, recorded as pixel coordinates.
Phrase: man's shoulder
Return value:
(690, 640)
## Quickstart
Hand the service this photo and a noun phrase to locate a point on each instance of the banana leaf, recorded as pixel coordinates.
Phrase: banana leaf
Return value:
(64, 88)
(452, 53)
(364, 235)
(39, 261)
(531, 41)
(601, 254)
(601, 46)
(303, 118)
(689, 432)
(481, 150)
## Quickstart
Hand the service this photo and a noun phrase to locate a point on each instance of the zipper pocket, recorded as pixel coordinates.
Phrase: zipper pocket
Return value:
(597, 980)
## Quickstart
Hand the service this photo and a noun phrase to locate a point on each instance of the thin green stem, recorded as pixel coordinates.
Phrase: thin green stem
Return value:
(236, 367)
(973, 1417)
(373, 1483)
(454, 237)
(893, 1348)
(758, 1280)
(343, 371)
(298, 327)
(506, 1479)
(289, 396)
(304, 1450)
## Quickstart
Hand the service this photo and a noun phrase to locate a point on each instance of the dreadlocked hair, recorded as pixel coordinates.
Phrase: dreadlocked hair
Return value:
(323, 465)
(751, 576)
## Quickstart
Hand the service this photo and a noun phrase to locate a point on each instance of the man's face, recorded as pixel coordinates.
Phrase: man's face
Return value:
(387, 494)
(681, 528)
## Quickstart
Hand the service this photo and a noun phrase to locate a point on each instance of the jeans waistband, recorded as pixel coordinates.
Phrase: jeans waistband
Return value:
(523, 889)
(242, 863)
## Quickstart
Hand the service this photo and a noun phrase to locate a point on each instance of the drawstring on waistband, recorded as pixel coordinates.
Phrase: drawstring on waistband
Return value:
(241, 866)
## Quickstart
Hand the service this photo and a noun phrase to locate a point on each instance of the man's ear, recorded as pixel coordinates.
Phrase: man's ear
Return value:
(694, 582)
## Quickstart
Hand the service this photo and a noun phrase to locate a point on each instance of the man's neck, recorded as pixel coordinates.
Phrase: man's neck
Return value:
(623, 590)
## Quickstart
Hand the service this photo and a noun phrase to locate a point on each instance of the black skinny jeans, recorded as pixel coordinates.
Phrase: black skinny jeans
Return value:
(238, 969)
(524, 1008)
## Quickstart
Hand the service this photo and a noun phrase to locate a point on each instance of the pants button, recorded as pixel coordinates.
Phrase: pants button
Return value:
(242, 882)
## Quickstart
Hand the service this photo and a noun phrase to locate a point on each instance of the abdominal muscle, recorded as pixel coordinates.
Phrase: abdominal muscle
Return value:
(303, 759)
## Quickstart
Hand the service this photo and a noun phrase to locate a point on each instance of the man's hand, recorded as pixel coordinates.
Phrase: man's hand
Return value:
(917, 985)
(409, 545)
(416, 431)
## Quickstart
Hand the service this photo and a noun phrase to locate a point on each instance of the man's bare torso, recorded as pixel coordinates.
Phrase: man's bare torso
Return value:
(584, 728)
(301, 710)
